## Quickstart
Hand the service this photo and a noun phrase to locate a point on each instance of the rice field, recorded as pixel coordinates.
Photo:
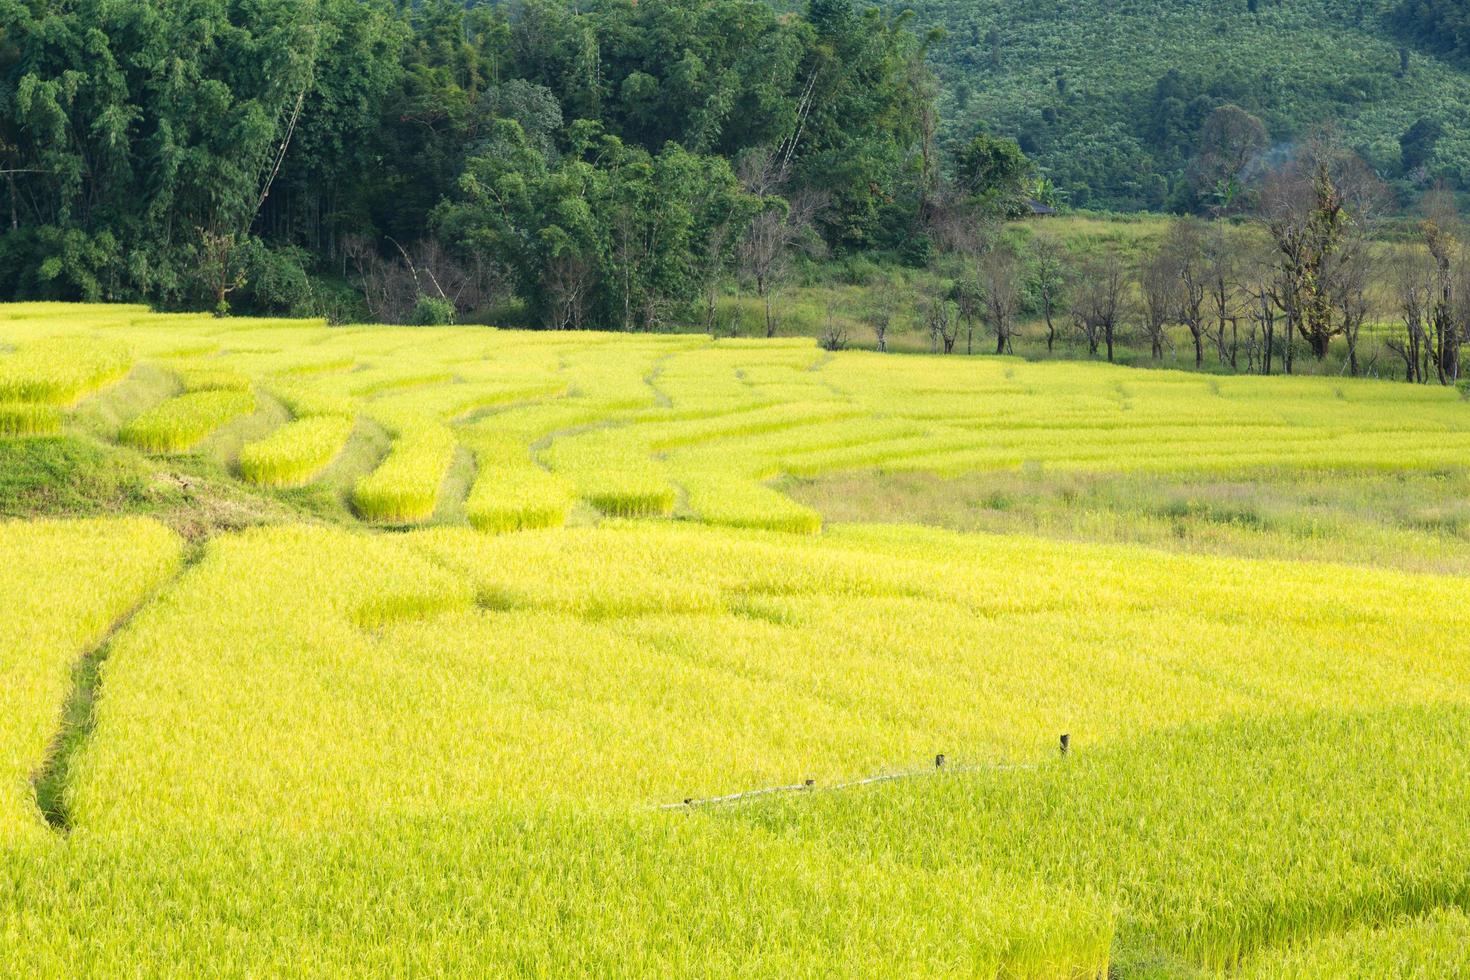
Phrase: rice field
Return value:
(685, 427)
(498, 716)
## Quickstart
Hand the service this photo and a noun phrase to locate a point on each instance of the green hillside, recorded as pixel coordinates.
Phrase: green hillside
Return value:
(1109, 95)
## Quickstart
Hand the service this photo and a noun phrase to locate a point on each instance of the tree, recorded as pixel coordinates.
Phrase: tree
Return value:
(219, 267)
(160, 151)
(775, 235)
(1231, 142)
(1417, 145)
(1050, 273)
(994, 174)
(1259, 284)
(1184, 245)
(1441, 233)
(608, 234)
(969, 301)
(942, 322)
(1413, 283)
(999, 274)
(140, 182)
(834, 331)
(1350, 284)
(1159, 285)
(1319, 204)
(879, 316)
(1221, 260)
(1099, 302)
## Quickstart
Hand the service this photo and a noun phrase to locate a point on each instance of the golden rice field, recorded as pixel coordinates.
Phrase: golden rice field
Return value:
(446, 722)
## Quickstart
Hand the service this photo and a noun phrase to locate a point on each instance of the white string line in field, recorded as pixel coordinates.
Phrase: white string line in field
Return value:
(810, 785)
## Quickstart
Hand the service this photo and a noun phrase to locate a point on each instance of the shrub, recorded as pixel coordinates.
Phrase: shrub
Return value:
(432, 311)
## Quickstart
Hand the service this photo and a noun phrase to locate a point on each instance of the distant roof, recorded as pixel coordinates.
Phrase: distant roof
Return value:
(1038, 208)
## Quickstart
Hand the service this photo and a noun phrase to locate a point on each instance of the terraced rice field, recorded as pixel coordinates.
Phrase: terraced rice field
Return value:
(451, 729)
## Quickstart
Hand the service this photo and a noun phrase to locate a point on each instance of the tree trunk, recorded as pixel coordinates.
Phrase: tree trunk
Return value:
(770, 317)
(1318, 342)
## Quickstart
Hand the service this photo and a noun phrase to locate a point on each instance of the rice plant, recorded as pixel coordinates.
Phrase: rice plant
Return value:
(295, 453)
(510, 492)
(1435, 944)
(612, 473)
(305, 401)
(734, 501)
(58, 370)
(181, 423)
(626, 420)
(202, 376)
(404, 489)
(29, 419)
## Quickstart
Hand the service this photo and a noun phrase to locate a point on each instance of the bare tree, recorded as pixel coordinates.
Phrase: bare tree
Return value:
(1000, 287)
(943, 323)
(1159, 284)
(392, 287)
(879, 316)
(1259, 280)
(1186, 249)
(1351, 273)
(1458, 330)
(1441, 231)
(712, 270)
(956, 227)
(780, 230)
(1099, 302)
(1221, 267)
(834, 332)
(568, 283)
(1050, 272)
(969, 302)
(1414, 288)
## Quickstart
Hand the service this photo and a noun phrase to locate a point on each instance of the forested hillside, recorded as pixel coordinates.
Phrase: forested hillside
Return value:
(625, 165)
(598, 165)
(1110, 96)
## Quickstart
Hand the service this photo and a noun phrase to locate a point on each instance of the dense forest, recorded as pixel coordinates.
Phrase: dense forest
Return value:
(1440, 26)
(591, 166)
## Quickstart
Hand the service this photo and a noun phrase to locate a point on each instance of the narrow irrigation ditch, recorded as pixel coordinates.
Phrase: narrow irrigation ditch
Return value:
(78, 716)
